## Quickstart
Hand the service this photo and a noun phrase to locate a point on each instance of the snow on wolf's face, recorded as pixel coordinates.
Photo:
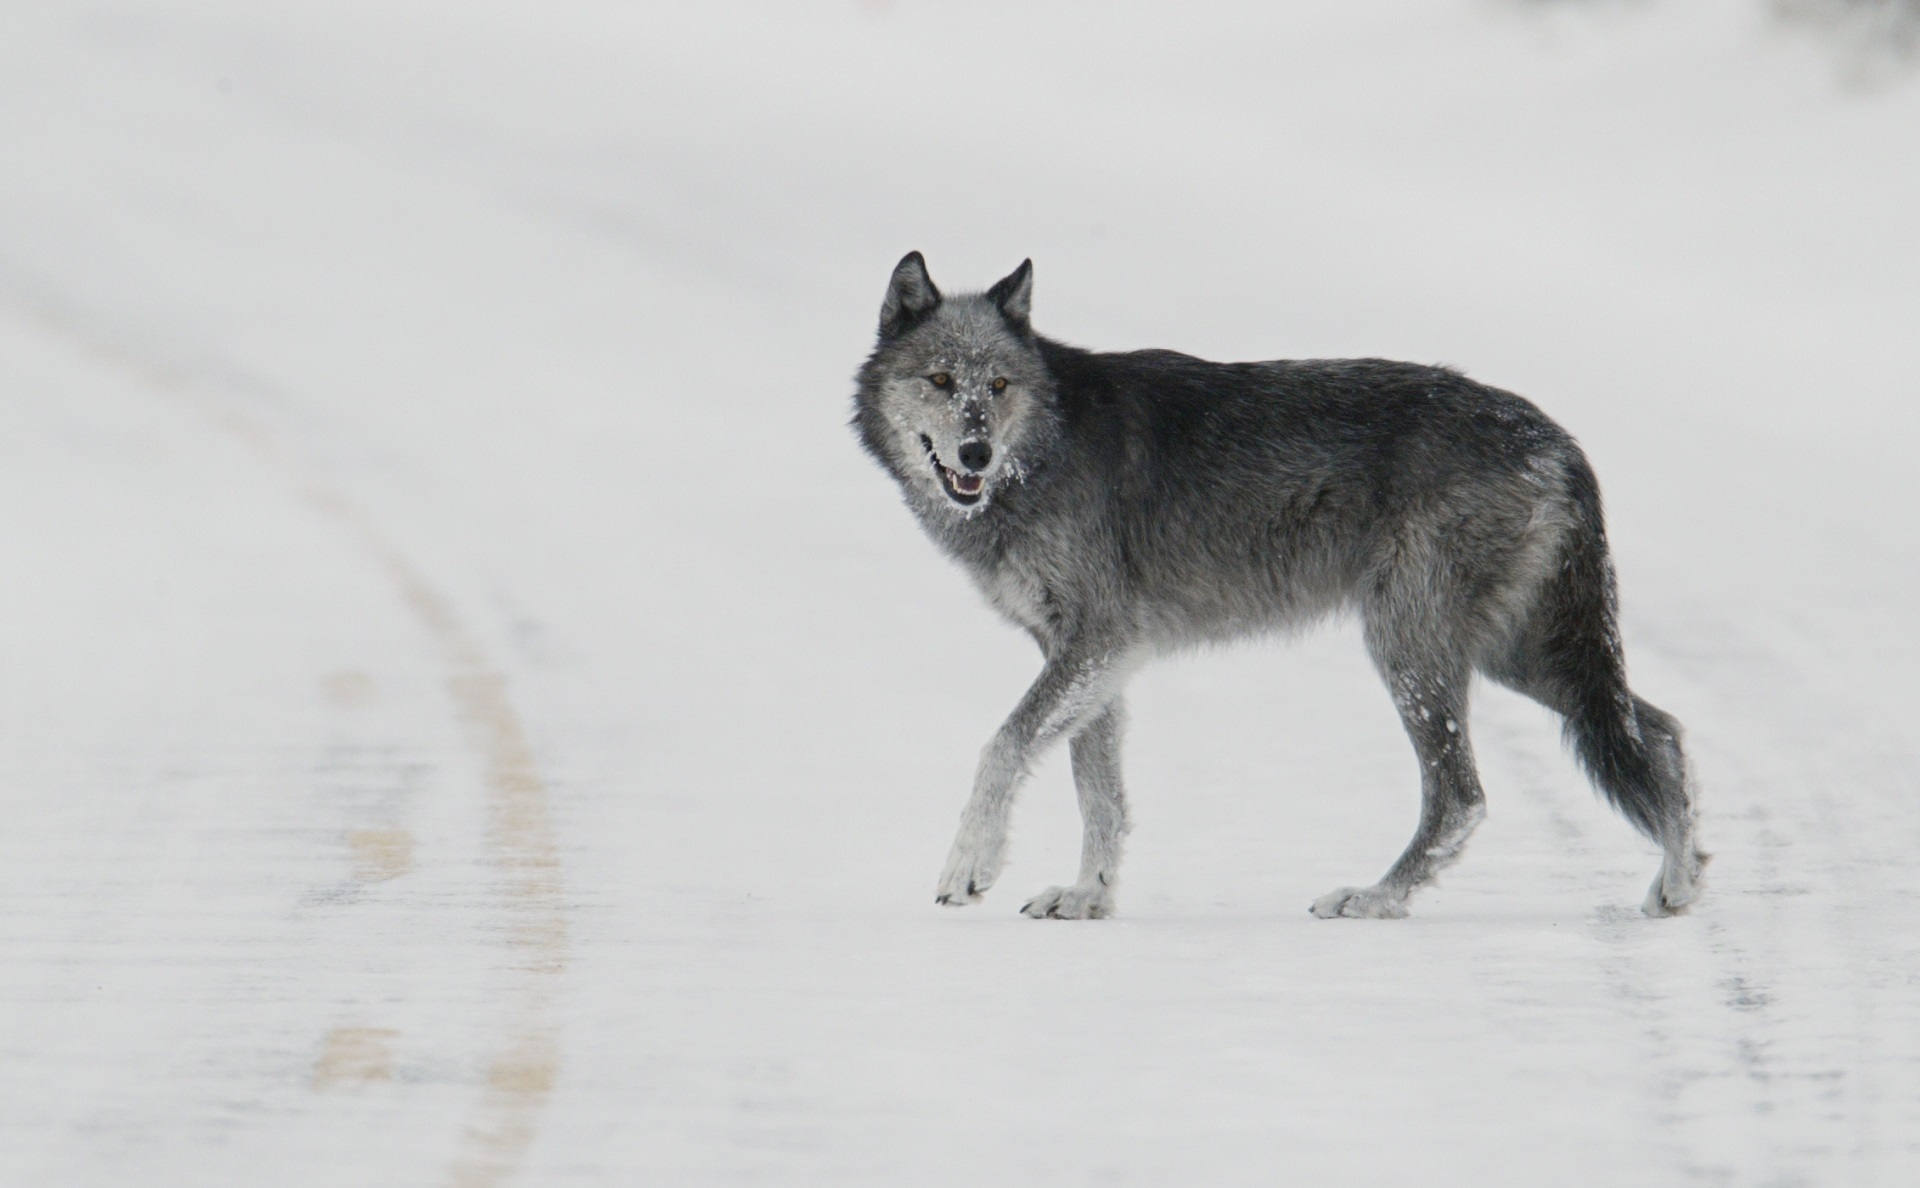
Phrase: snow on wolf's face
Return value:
(953, 390)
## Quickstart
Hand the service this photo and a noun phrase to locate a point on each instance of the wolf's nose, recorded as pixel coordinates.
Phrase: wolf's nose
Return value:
(974, 455)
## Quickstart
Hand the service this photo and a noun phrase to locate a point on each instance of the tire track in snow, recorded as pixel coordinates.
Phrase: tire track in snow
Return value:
(1819, 947)
(1763, 1024)
(520, 836)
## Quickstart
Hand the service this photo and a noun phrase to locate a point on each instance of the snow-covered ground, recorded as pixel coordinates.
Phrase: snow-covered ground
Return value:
(469, 715)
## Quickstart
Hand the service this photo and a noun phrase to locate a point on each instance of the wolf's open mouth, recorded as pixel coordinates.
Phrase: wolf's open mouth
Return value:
(963, 489)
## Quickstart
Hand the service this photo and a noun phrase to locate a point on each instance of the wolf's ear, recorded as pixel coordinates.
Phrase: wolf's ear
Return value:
(910, 295)
(1014, 294)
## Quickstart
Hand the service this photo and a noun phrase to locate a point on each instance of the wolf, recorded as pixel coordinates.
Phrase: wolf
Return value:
(1118, 507)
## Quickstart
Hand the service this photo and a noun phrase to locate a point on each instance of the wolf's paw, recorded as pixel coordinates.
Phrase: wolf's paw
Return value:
(1361, 903)
(968, 875)
(1082, 901)
(1675, 888)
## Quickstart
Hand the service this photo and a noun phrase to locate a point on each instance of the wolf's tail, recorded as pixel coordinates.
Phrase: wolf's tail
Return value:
(1573, 662)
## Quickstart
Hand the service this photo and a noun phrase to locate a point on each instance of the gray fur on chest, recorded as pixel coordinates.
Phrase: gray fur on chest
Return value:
(1037, 584)
(1019, 594)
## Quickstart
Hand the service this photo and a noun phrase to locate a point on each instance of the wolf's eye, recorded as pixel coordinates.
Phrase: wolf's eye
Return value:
(999, 383)
(940, 379)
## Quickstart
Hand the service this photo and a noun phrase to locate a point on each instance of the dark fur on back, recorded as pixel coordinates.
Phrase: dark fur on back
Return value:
(1147, 501)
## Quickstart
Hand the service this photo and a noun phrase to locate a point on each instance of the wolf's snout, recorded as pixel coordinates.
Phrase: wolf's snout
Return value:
(975, 455)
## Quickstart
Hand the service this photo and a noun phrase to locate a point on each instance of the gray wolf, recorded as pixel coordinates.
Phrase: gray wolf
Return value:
(1121, 506)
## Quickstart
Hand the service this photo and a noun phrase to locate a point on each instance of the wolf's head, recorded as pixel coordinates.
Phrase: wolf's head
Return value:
(955, 400)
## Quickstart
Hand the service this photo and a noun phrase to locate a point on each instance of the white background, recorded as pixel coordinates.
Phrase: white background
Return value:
(470, 715)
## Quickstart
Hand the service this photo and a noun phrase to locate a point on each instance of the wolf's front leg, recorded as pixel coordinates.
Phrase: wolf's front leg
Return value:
(1103, 817)
(1073, 688)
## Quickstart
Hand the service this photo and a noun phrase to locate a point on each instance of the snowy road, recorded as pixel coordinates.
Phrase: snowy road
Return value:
(469, 715)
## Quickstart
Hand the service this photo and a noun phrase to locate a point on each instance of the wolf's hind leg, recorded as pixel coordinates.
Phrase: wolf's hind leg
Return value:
(1632, 750)
(1568, 658)
(1432, 705)
(1103, 817)
(1679, 882)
